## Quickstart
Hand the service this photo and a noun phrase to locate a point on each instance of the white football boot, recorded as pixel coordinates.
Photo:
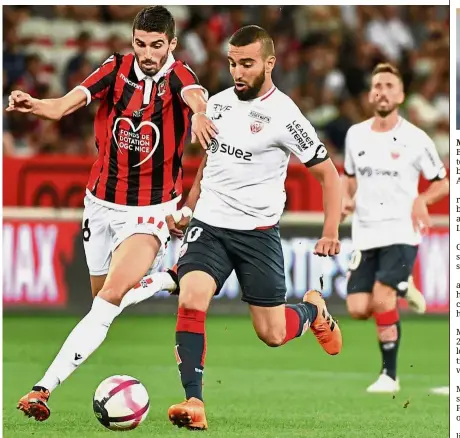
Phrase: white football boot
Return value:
(384, 385)
(414, 298)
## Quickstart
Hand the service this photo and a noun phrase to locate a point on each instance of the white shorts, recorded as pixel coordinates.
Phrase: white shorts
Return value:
(105, 226)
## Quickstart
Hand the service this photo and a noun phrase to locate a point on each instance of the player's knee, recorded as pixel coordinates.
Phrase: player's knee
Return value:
(273, 338)
(359, 313)
(196, 291)
(193, 301)
(112, 294)
(194, 298)
(359, 306)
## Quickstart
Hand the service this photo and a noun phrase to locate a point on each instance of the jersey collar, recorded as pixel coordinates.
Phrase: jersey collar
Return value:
(267, 94)
(260, 98)
(141, 76)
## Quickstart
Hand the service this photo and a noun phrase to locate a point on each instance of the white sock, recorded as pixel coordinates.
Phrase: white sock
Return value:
(84, 339)
(150, 285)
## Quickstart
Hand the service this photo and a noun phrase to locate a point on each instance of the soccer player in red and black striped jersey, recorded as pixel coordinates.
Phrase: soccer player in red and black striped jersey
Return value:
(147, 102)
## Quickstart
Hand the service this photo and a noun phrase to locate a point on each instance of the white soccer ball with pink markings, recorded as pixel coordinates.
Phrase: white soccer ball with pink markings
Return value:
(121, 403)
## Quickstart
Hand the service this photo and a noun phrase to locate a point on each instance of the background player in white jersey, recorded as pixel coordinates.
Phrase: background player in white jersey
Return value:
(235, 223)
(384, 157)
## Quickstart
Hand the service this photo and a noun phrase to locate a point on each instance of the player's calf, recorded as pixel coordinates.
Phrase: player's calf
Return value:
(386, 317)
(97, 283)
(275, 326)
(269, 324)
(197, 289)
(273, 338)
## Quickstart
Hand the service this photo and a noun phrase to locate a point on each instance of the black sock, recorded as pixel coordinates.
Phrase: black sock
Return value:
(39, 388)
(191, 351)
(389, 352)
(389, 333)
(306, 312)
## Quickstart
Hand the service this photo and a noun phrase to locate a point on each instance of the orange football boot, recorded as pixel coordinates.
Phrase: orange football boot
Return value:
(34, 404)
(189, 414)
(325, 328)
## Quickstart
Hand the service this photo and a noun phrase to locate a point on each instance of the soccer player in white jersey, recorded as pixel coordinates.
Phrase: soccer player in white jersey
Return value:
(384, 157)
(235, 223)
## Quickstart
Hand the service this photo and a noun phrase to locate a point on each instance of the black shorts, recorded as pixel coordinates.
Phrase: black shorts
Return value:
(391, 265)
(256, 256)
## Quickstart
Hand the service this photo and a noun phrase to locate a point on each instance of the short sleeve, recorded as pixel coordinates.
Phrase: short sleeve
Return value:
(429, 162)
(184, 78)
(98, 83)
(349, 165)
(299, 136)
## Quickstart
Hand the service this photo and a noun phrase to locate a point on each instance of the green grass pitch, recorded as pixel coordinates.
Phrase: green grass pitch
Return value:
(250, 390)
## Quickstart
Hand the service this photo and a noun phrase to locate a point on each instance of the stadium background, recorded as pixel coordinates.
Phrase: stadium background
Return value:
(325, 56)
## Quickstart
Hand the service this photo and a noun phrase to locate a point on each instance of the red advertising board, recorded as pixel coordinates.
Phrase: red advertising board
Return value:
(36, 257)
(60, 181)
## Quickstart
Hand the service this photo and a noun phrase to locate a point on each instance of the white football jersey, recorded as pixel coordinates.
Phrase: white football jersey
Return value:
(243, 181)
(387, 167)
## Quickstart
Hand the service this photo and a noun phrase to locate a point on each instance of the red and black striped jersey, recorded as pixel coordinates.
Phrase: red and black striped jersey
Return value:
(140, 130)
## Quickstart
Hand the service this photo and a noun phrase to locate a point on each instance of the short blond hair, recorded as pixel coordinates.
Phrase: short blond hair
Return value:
(386, 67)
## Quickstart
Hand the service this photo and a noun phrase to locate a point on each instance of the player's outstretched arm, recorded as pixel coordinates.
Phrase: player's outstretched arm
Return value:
(326, 174)
(300, 138)
(50, 109)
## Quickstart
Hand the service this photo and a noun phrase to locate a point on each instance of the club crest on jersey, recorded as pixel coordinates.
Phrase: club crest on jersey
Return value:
(128, 137)
(162, 88)
(256, 127)
(138, 113)
(395, 155)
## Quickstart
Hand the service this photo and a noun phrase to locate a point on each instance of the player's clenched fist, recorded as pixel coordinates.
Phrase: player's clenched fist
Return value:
(20, 101)
(178, 221)
(327, 246)
(203, 129)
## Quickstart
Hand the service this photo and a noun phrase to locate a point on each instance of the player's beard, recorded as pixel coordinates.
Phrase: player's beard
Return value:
(154, 71)
(251, 92)
(383, 113)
